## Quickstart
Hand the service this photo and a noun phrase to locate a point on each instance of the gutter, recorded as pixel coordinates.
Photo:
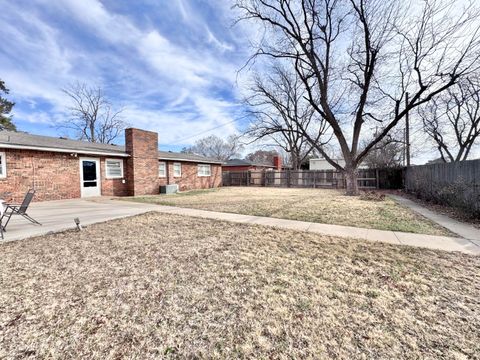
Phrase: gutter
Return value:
(60, 150)
(96, 152)
(190, 160)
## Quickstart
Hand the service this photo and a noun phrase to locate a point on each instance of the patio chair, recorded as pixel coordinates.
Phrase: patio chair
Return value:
(15, 209)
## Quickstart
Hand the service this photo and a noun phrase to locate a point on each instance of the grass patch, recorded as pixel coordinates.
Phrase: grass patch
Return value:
(314, 205)
(159, 285)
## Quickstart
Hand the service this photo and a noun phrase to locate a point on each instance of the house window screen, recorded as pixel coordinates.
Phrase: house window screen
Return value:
(204, 170)
(177, 169)
(114, 169)
(162, 169)
(3, 165)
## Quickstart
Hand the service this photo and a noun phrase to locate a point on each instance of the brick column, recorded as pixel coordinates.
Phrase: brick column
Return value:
(142, 165)
(277, 162)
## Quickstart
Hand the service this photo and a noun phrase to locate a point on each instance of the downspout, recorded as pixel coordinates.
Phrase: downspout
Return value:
(33, 171)
(167, 169)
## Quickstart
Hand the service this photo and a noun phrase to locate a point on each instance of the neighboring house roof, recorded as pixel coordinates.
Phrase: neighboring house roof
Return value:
(170, 155)
(243, 162)
(22, 140)
(435, 161)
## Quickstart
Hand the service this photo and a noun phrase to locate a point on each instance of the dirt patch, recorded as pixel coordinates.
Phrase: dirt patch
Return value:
(315, 205)
(161, 285)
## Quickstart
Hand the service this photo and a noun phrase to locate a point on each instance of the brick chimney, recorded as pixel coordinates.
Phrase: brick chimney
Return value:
(142, 165)
(277, 162)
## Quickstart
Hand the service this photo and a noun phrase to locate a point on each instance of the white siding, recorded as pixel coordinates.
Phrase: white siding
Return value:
(322, 164)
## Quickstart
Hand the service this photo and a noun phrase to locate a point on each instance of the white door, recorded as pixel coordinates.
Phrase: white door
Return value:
(90, 177)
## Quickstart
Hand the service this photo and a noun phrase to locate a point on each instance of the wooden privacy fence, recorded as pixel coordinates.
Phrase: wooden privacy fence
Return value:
(456, 184)
(367, 178)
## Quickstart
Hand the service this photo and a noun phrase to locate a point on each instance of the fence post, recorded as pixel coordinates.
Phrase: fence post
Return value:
(377, 179)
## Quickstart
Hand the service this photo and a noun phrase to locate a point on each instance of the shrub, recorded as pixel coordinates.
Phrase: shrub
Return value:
(459, 194)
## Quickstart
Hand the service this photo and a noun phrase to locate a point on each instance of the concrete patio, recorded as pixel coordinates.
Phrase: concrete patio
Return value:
(58, 215)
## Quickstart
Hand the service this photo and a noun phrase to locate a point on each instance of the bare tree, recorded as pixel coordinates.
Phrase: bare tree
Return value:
(262, 156)
(281, 111)
(387, 153)
(216, 148)
(453, 120)
(92, 116)
(359, 58)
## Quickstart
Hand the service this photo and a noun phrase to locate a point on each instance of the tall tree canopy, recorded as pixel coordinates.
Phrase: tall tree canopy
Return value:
(358, 60)
(5, 109)
(262, 156)
(388, 153)
(452, 120)
(277, 102)
(216, 148)
(92, 115)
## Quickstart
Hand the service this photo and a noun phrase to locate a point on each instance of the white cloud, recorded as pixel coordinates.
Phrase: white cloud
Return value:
(224, 46)
(182, 8)
(179, 128)
(92, 13)
(171, 62)
(163, 82)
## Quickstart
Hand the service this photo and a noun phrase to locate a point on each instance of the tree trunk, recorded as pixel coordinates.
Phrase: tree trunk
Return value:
(295, 165)
(92, 132)
(351, 181)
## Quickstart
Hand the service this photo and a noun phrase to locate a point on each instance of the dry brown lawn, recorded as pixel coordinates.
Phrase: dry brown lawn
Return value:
(157, 285)
(314, 205)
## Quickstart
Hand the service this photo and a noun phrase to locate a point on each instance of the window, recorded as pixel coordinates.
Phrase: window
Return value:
(3, 165)
(114, 168)
(177, 170)
(204, 170)
(162, 169)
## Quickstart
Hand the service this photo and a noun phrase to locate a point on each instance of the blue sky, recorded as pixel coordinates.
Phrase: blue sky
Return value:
(171, 64)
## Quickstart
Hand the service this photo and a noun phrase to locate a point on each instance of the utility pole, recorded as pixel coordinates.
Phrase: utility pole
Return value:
(407, 132)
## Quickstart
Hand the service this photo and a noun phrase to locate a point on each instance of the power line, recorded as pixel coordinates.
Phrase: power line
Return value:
(205, 131)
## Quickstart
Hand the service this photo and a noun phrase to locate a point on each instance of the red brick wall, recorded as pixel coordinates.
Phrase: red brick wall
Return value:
(56, 176)
(277, 162)
(190, 179)
(113, 187)
(53, 175)
(142, 165)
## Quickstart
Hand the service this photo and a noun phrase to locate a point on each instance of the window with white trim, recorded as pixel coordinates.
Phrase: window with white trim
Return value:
(114, 168)
(3, 165)
(162, 169)
(177, 169)
(204, 170)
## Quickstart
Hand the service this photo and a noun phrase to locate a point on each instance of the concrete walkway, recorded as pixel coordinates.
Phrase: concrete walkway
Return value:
(466, 231)
(59, 215)
(392, 237)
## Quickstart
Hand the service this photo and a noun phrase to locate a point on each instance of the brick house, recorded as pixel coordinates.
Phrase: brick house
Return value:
(59, 168)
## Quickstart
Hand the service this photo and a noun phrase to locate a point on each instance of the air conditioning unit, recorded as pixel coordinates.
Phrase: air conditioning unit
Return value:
(169, 189)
